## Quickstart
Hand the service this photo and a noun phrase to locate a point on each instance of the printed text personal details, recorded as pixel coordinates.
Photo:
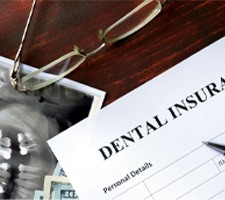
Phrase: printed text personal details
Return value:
(128, 177)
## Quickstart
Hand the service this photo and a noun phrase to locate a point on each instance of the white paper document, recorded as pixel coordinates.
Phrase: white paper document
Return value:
(148, 144)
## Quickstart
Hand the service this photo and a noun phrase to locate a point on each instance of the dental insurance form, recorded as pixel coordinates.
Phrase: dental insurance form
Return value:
(148, 144)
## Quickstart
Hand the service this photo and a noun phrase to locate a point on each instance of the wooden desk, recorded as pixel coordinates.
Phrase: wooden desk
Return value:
(181, 29)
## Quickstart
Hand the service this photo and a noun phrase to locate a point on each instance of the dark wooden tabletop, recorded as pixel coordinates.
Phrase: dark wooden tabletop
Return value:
(180, 30)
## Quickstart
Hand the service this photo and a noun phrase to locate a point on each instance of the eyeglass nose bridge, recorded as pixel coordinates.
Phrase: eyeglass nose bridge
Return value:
(91, 53)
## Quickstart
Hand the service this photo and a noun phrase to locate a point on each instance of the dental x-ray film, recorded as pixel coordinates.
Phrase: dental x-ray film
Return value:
(28, 120)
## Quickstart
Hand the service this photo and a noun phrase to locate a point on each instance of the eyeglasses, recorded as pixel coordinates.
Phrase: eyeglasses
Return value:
(125, 26)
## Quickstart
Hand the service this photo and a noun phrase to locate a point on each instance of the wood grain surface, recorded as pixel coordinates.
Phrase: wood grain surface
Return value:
(180, 30)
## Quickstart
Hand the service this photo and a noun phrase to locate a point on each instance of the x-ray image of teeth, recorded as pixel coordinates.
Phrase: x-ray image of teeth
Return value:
(27, 121)
(27, 155)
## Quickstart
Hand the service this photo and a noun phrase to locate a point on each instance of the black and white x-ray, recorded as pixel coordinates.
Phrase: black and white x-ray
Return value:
(27, 121)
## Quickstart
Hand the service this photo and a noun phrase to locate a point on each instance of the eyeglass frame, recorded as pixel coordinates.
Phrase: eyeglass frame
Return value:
(77, 51)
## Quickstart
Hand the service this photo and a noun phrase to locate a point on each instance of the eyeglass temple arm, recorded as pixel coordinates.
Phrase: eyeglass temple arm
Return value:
(16, 66)
(103, 33)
